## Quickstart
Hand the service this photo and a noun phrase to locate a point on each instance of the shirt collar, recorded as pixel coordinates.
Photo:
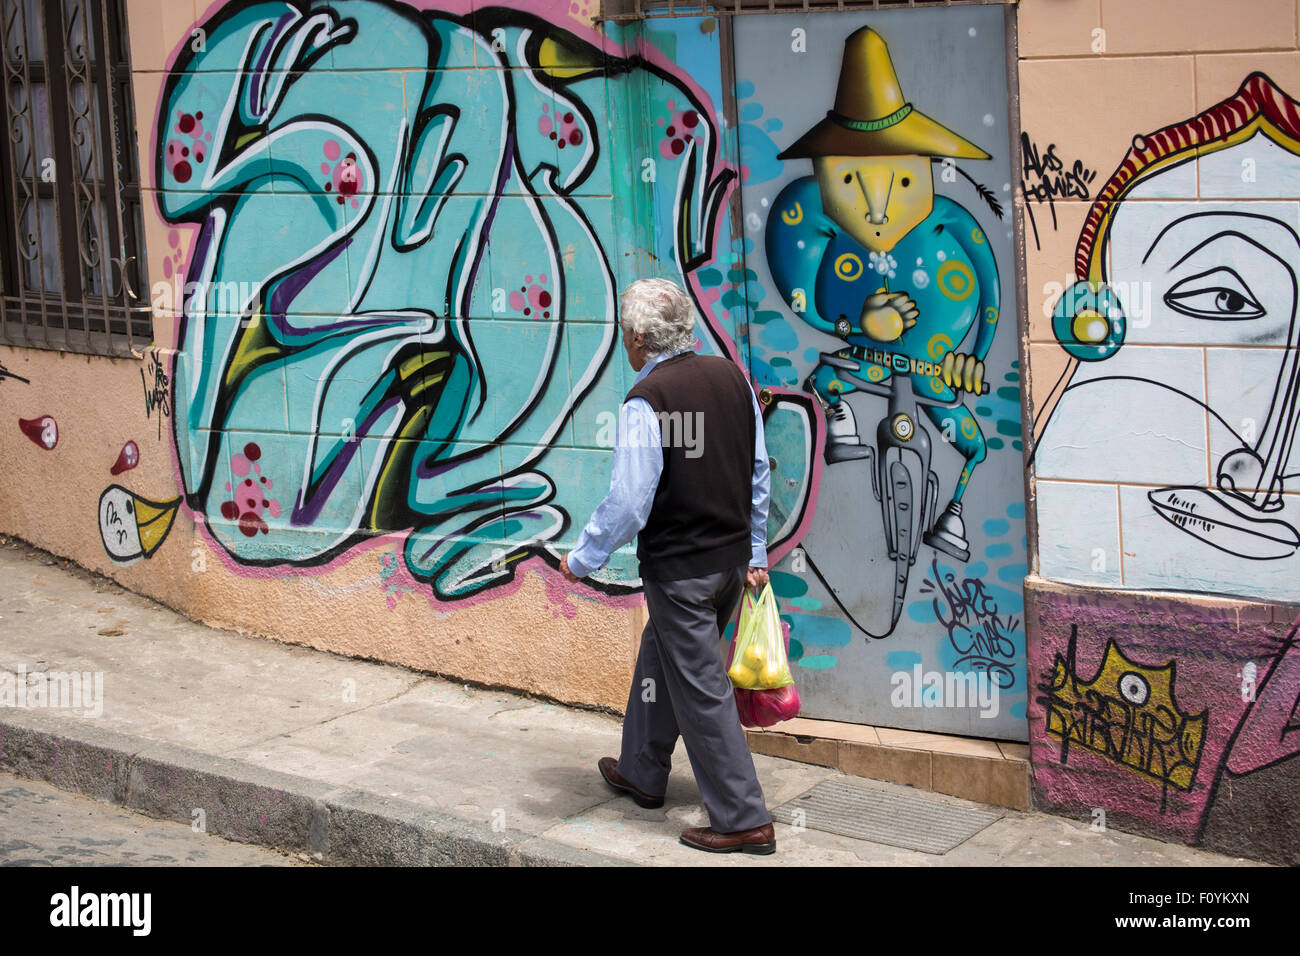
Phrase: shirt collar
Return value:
(653, 360)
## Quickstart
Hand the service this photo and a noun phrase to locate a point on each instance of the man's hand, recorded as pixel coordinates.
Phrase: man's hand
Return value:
(564, 569)
(964, 371)
(755, 578)
(886, 316)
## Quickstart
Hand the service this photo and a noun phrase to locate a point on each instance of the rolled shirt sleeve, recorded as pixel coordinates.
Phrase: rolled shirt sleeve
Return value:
(761, 489)
(638, 462)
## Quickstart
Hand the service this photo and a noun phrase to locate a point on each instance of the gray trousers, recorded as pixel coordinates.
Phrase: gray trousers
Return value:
(691, 695)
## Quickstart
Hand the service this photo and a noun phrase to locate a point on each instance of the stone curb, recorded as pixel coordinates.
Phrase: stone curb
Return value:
(249, 804)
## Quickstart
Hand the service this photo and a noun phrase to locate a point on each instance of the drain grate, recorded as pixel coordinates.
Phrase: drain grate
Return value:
(896, 819)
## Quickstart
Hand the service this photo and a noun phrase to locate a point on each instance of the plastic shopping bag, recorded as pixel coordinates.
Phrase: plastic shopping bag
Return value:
(768, 707)
(763, 708)
(758, 659)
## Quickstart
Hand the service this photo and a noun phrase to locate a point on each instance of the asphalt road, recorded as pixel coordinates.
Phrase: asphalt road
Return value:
(43, 826)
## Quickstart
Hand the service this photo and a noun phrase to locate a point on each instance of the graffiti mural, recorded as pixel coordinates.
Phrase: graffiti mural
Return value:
(1176, 417)
(1127, 713)
(881, 262)
(1175, 720)
(42, 430)
(402, 230)
(1164, 459)
(132, 527)
(126, 459)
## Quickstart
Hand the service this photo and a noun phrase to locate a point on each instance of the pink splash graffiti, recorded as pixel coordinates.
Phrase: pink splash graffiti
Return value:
(533, 299)
(250, 499)
(678, 132)
(345, 179)
(127, 459)
(179, 155)
(44, 430)
(557, 592)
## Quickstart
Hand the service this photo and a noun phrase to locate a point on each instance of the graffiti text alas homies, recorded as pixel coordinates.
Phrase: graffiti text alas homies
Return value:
(1046, 178)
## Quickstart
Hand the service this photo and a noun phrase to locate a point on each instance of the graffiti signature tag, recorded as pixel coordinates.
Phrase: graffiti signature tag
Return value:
(156, 390)
(1046, 178)
(978, 634)
(5, 373)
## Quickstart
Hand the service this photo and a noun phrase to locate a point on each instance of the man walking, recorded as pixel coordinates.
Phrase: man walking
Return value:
(699, 501)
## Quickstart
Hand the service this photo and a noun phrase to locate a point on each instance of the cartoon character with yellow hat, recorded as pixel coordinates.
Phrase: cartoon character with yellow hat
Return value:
(864, 250)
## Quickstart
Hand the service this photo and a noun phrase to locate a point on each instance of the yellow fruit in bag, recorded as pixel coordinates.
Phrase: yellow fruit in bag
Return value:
(758, 653)
(742, 676)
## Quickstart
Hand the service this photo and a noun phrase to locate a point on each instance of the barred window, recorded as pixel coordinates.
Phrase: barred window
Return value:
(72, 274)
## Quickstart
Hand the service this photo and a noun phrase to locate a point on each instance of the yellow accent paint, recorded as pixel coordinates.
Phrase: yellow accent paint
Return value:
(968, 428)
(938, 346)
(153, 519)
(848, 267)
(1090, 326)
(255, 347)
(792, 217)
(977, 236)
(560, 62)
(875, 373)
(413, 365)
(955, 279)
(425, 383)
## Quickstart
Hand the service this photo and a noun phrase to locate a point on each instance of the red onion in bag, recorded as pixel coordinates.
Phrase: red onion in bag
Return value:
(773, 706)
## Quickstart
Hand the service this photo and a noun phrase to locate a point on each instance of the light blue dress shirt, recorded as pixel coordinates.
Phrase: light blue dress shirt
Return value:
(638, 462)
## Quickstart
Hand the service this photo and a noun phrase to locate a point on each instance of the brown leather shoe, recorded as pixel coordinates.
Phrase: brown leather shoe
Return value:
(758, 840)
(609, 770)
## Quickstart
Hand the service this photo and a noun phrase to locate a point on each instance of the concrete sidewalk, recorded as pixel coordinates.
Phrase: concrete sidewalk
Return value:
(354, 762)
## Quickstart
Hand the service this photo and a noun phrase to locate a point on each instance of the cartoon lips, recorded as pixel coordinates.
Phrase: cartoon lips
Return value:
(1204, 515)
(131, 526)
(43, 430)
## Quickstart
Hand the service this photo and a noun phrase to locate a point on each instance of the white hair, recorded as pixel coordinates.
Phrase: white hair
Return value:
(662, 312)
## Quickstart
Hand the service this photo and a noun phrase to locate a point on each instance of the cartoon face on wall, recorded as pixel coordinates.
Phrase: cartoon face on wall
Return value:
(402, 277)
(1183, 385)
(876, 199)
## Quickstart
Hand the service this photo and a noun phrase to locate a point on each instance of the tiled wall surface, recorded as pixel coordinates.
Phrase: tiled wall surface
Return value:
(1161, 259)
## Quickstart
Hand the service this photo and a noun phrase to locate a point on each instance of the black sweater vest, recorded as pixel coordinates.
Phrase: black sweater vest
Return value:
(699, 521)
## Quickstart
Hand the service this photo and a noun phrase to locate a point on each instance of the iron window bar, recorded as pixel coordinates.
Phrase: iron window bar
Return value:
(70, 201)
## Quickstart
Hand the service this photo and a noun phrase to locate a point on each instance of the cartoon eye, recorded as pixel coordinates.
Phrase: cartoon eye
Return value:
(1218, 294)
(1134, 689)
(848, 178)
(906, 182)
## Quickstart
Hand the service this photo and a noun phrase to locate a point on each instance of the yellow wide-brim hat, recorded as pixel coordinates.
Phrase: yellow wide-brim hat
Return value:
(871, 117)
